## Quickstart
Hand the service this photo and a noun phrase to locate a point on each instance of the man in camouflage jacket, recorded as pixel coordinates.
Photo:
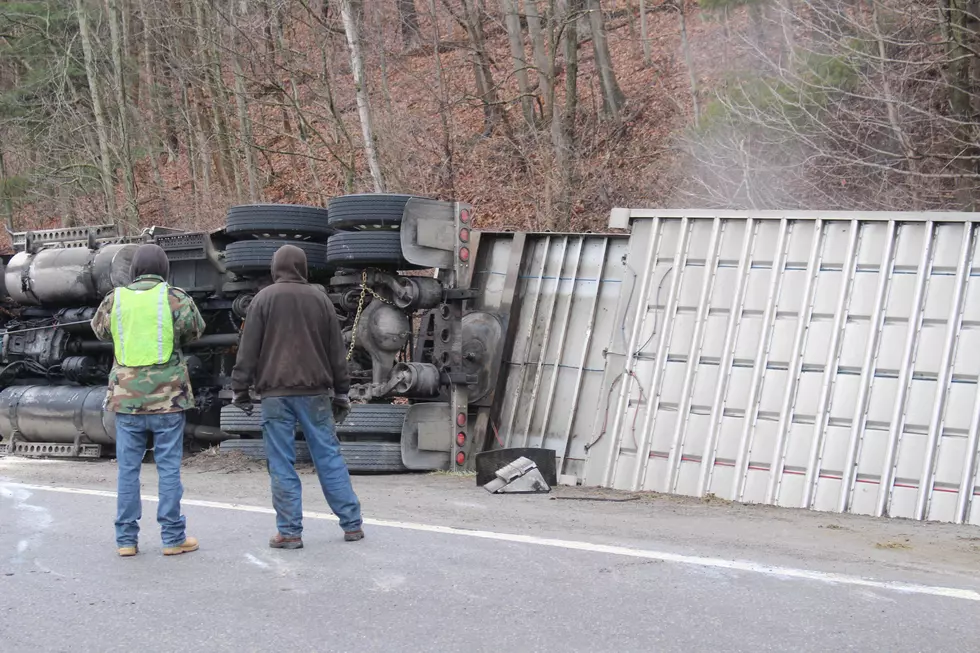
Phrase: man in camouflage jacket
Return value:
(150, 399)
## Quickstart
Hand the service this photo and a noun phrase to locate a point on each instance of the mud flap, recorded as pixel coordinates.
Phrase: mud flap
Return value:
(427, 437)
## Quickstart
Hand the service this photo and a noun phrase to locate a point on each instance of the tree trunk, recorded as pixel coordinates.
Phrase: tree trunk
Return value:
(224, 163)
(645, 35)
(348, 14)
(963, 28)
(101, 128)
(408, 20)
(241, 101)
(122, 106)
(612, 96)
(544, 65)
(485, 85)
(688, 61)
(448, 168)
(8, 202)
(516, 38)
(563, 127)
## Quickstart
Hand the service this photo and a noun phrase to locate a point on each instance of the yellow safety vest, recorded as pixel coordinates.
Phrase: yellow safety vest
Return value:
(142, 326)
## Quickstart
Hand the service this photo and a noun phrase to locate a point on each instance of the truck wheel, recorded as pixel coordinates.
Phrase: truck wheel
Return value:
(359, 456)
(250, 256)
(366, 422)
(284, 221)
(374, 249)
(369, 422)
(235, 420)
(368, 211)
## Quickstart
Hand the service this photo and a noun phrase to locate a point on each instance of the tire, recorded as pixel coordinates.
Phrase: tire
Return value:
(235, 420)
(377, 422)
(373, 249)
(283, 221)
(373, 420)
(250, 256)
(368, 211)
(359, 456)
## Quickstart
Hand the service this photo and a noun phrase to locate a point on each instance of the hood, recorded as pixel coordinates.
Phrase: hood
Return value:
(150, 259)
(289, 265)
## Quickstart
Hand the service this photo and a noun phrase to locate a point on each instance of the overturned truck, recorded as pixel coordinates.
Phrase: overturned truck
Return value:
(373, 255)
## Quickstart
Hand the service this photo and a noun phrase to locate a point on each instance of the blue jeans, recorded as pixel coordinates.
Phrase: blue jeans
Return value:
(315, 416)
(168, 449)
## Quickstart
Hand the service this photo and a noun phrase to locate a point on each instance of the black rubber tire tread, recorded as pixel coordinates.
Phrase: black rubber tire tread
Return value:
(278, 220)
(234, 420)
(368, 211)
(364, 419)
(371, 419)
(382, 249)
(359, 456)
(256, 255)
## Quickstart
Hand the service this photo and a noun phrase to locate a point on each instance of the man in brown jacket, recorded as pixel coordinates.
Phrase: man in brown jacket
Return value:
(292, 351)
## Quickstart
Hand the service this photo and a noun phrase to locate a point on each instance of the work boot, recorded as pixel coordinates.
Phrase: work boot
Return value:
(128, 551)
(190, 544)
(280, 541)
(354, 536)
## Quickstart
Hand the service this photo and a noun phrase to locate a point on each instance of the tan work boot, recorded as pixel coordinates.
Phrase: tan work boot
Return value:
(128, 551)
(190, 544)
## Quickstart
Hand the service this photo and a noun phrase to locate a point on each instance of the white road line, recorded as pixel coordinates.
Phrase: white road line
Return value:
(663, 556)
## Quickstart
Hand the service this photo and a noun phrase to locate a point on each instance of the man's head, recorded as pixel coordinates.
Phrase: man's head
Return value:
(289, 265)
(150, 259)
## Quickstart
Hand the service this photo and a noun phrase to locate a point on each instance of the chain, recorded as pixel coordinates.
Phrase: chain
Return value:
(357, 315)
(360, 309)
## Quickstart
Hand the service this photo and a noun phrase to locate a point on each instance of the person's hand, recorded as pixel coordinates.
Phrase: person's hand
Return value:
(243, 400)
(341, 408)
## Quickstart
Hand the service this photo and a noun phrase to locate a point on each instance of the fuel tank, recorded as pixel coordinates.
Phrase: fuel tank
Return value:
(66, 276)
(40, 413)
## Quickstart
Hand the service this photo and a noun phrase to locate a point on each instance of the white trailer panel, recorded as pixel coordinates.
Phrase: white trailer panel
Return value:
(824, 361)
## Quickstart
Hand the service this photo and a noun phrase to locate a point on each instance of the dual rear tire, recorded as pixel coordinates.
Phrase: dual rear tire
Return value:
(360, 231)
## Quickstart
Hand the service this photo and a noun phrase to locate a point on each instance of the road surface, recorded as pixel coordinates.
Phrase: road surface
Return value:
(411, 586)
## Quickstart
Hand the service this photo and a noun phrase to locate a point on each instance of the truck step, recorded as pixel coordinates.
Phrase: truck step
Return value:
(50, 450)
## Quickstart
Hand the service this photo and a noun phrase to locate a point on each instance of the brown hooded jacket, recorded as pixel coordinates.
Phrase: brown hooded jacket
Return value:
(292, 344)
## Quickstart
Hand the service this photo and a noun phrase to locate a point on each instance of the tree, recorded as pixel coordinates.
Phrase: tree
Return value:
(349, 14)
(875, 109)
(516, 39)
(122, 107)
(408, 20)
(101, 123)
(612, 96)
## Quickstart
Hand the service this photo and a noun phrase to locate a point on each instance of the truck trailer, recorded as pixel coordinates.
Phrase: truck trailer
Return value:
(818, 360)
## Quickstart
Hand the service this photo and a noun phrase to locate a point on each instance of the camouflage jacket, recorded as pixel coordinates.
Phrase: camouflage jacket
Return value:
(153, 388)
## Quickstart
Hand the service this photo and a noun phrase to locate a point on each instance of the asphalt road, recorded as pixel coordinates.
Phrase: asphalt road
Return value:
(409, 589)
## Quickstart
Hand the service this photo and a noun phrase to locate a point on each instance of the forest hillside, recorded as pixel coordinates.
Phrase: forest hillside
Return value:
(542, 113)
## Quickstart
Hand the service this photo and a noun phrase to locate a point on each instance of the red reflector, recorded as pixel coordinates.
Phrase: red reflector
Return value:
(461, 438)
(464, 235)
(464, 254)
(460, 458)
(461, 419)
(464, 216)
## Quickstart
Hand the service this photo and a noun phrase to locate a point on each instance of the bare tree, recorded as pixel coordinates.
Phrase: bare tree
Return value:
(349, 14)
(101, 123)
(482, 70)
(874, 109)
(612, 96)
(122, 107)
(688, 60)
(241, 101)
(408, 20)
(516, 39)
(542, 63)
